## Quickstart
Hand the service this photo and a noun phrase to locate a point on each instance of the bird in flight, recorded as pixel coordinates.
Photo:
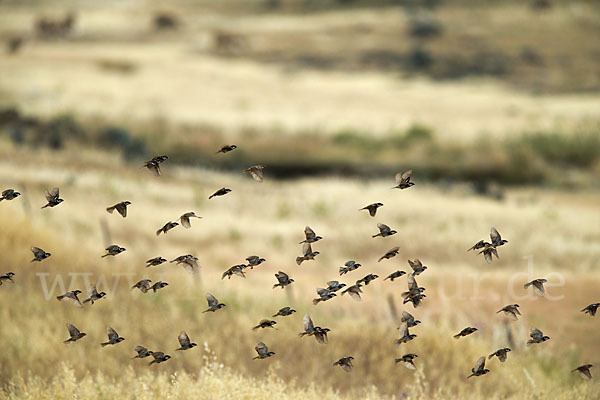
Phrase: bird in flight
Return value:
(9, 194)
(120, 207)
(53, 198)
(372, 208)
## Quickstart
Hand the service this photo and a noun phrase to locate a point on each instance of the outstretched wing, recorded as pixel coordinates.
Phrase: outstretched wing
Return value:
(212, 300)
(184, 339)
(308, 324)
(52, 194)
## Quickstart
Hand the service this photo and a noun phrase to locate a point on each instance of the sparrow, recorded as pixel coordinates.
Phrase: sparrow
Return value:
(213, 303)
(591, 309)
(94, 295)
(120, 207)
(166, 228)
(256, 172)
(394, 275)
(6, 277)
(479, 368)
(324, 295)
(9, 194)
(113, 250)
(308, 254)
(384, 231)
(403, 180)
(159, 357)
(511, 311)
(319, 333)
(39, 254)
(372, 208)
(283, 280)
(154, 164)
(415, 299)
(263, 351)
(190, 263)
(465, 332)
(142, 352)
(409, 319)
(143, 285)
(354, 292)
(226, 149)
(367, 279)
(536, 337)
(584, 371)
(113, 337)
(390, 253)
(71, 297)
(310, 235)
(488, 251)
(345, 363)
(407, 360)
(405, 336)
(155, 261)
(74, 334)
(184, 341)
(538, 286)
(334, 286)
(496, 238)
(417, 266)
(235, 270)
(349, 266)
(185, 219)
(284, 312)
(500, 353)
(253, 261)
(53, 198)
(220, 192)
(265, 323)
(479, 245)
(158, 285)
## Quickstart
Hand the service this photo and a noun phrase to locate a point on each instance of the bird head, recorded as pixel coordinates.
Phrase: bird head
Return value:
(393, 232)
(127, 203)
(77, 291)
(47, 255)
(101, 294)
(193, 344)
(220, 305)
(292, 311)
(291, 280)
(10, 274)
(17, 194)
(417, 322)
(167, 357)
(119, 340)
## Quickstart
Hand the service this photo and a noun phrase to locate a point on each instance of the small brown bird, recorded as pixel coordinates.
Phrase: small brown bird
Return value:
(6, 277)
(403, 180)
(324, 295)
(384, 231)
(94, 295)
(158, 285)
(213, 303)
(511, 311)
(39, 254)
(414, 299)
(263, 351)
(405, 336)
(113, 250)
(227, 148)
(188, 261)
(284, 312)
(488, 251)
(367, 279)
(256, 171)
(235, 270)
(185, 342)
(479, 368)
(479, 245)
(253, 261)
(166, 228)
(407, 360)
(345, 363)
(71, 297)
(265, 323)
(142, 352)
(372, 208)
(185, 219)
(9, 194)
(310, 235)
(584, 371)
(349, 266)
(354, 291)
(74, 334)
(220, 192)
(334, 286)
(465, 332)
(591, 309)
(53, 198)
(154, 164)
(496, 238)
(536, 337)
(153, 262)
(409, 319)
(390, 253)
(308, 254)
(538, 286)
(143, 285)
(113, 337)
(417, 266)
(283, 280)
(120, 207)
(394, 275)
(319, 333)
(500, 353)
(159, 357)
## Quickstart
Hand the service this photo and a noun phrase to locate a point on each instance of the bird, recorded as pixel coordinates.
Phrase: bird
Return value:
(511, 311)
(9, 194)
(53, 198)
(71, 297)
(185, 219)
(113, 250)
(354, 291)
(479, 245)
(324, 295)
(349, 266)
(407, 360)
(190, 263)
(74, 334)
(94, 295)
(405, 336)
(263, 351)
(345, 363)
(256, 171)
(500, 353)
(584, 371)
(283, 280)
(226, 149)
(496, 238)
(265, 323)
(591, 309)
(536, 337)
(143, 285)
(120, 207)
(372, 208)
(185, 342)
(166, 228)
(310, 235)
(538, 286)
(394, 275)
(319, 333)
(390, 253)
(158, 285)
(479, 368)
(409, 319)
(414, 299)
(253, 261)
(367, 279)
(308, 254)
(154, 164)
(39, 254)
(413, 287)
(465, 332)
(334, 286)
(113, 337)
(403, 180)
(488, 251)
(7, 277)
(155, 261)
(384, 231)
(284, 312)
(417, 266)
(142, 352)
(159, 357)
(213, 303)
(235, 270)
(220, 192)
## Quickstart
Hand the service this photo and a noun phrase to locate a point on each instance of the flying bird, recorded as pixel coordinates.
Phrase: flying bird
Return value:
(256, 171)
(324, 295)
(384, 231)
(113, 250)
(488, 251)
(390, 253)
(479, 368)
(367, 279)
(284, 312)
(538, 286)
(405, 336)
(71, 297)
(417, 266)
(94, 295)
(283, 280)
(213, 303)
(465, 332)
(307, 254)
(113, 337)
(185, 342)
(372, 208)
(153, 262)
(188, 261)
(227, 148)
(6, 277)
(235, 270)
(9, 194)
(143, 285)
(53, 198)
(319, 333)
(265, 323)
(407, 360)
(220, 192)
(496, 238)
(500, 353)
(142, 352)
(310, 235)
(591, 309)
(511, 311)
(334, 286)
(409, 319)
(158, 285)
(39, 254)
(253, 261)
(584, 371)
(345, 363)
(263, 351)
(536, 337)
(403, 180)
(120, 207)
(394, 275)
(154, 164)
(185, 219)
(349, 266)
(353, 291)
(166, 228)
(74, 334)
(159, 357)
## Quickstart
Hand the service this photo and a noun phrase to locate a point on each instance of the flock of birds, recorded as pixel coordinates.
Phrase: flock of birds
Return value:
(414, 294)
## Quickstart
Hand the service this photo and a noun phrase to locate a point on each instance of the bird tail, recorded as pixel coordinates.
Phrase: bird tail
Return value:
(211, 196)
(457, 336)
(299, 260)
(1, 198)
(133, 358)
(45, 206)
(256, 327)
(530, 342)
(379, 234)
(67, 341)
(87, 301)
(158, 232)
(106, 255)
(110, 209)
(470, 376)
(316, 301)
(60, 297)
(104, 344)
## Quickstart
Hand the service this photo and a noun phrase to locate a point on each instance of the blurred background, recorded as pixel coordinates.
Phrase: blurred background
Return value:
(494, 105)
